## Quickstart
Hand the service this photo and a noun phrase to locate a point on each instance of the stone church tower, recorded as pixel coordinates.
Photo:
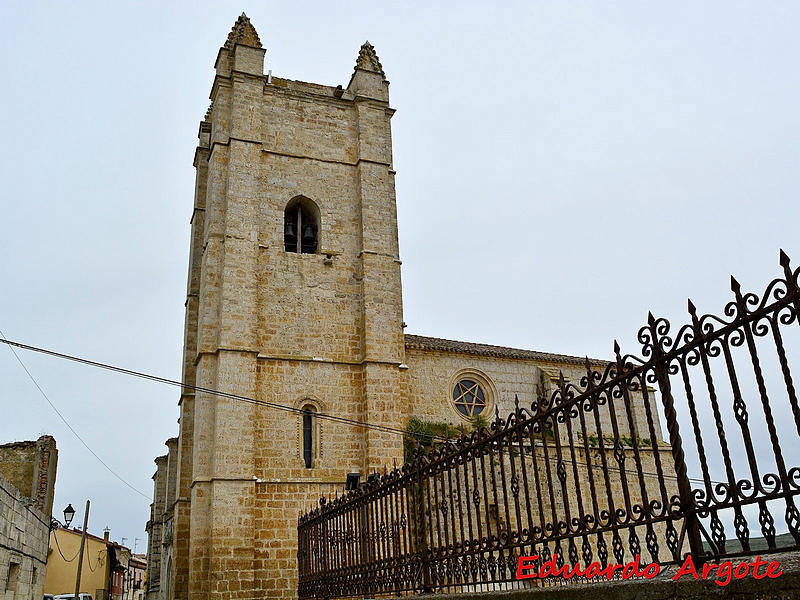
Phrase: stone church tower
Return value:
(294, 298)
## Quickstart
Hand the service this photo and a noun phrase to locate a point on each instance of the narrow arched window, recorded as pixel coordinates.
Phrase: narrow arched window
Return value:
(301, 226)
(308, 435)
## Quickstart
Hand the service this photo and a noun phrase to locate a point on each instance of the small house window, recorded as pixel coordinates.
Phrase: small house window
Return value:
(308, 435)
(301, 226)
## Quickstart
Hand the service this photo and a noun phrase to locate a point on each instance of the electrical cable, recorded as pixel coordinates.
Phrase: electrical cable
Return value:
(275, 405)
(53, 406)
(197, 388)
(55, 537)
(89, 560)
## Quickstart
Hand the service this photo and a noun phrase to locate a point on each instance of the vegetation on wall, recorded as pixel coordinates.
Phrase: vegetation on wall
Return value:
(479, 421)
(425, 433)
(608, 440)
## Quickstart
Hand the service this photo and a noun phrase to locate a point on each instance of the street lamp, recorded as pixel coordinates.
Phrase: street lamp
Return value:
(69, 514)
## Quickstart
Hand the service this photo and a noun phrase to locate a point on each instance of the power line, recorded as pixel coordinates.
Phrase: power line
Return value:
(55, 537)
(364, 424)
(53, 406)
(197, 388)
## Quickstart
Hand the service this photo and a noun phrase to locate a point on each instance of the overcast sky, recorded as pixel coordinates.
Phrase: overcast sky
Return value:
(562, 168)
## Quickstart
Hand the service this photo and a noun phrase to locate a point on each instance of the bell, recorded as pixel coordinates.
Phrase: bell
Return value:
(288, 230)
(308, 234)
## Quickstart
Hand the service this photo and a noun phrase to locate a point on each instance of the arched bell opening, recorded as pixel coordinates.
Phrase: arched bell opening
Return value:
(301, 226)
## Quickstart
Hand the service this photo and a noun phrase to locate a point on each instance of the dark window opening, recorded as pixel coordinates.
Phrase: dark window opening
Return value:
(308, 436)
(300, 226)
(13, 576)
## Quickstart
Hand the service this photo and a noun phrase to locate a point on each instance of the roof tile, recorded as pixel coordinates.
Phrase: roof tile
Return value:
(421, 342)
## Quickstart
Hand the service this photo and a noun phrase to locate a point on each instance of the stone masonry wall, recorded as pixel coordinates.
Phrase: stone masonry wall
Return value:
(155, 530)
(432, 375)
(24, 531)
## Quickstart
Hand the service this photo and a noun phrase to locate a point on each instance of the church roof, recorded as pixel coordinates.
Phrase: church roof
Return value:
(244, 33)
(421, 342)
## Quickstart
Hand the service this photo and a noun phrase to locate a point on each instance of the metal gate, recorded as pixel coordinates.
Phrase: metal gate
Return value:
(586, 472)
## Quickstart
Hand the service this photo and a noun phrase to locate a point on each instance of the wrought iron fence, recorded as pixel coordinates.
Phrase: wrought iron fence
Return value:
(584, 472)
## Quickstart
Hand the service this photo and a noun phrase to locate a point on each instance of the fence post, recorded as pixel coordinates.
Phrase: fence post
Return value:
(661, 367)
(416, 483)
(324, 548)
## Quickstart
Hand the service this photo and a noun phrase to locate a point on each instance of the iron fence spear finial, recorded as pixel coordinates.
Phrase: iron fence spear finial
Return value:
(736, 287)
(784, 258)
(787, 271)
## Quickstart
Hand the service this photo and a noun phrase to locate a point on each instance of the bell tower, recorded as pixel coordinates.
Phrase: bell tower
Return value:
(294, 298)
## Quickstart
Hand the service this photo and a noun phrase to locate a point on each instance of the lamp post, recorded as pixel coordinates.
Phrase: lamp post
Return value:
(69, 513)
(80, 554)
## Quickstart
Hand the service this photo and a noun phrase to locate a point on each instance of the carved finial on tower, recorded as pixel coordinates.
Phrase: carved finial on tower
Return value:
(368, 59)
(244, 33)
(209, 113)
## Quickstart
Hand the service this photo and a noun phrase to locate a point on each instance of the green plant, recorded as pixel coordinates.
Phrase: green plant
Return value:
(425, 433)
(479, 421)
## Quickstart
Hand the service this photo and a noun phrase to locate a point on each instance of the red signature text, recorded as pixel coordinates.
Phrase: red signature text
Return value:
(529, 567)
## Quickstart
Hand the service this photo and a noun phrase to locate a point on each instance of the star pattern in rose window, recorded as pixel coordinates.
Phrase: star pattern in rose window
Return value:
(469, 398)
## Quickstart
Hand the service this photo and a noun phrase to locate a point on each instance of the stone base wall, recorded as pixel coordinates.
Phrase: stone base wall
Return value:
(785, 587)
(24, 531)
(277, 508)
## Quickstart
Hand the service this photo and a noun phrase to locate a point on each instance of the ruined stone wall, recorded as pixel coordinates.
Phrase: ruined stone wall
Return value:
(27, 485)
(31, 468)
